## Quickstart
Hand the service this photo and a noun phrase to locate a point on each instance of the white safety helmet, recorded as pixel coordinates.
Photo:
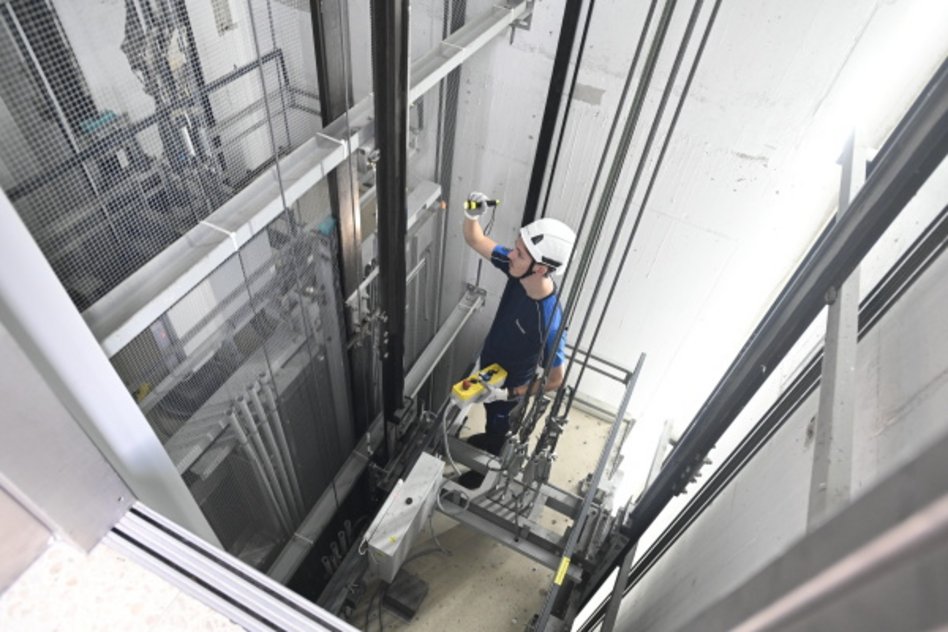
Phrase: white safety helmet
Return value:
(550, 242)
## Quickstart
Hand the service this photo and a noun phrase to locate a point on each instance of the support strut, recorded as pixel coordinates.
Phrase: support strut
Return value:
(390, 79)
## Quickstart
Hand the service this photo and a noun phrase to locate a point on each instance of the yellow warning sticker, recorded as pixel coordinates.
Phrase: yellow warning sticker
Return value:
(561, 572)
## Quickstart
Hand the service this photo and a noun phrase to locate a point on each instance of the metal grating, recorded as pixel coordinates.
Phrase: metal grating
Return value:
(122, 129)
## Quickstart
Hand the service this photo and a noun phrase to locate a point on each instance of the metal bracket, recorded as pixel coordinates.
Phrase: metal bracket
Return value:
(524, 23)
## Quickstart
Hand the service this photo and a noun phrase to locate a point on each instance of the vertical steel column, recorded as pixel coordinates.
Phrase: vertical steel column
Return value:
(330, 31)
(35, 308)
(334, 337)
(455, 13)
(390, 80)
(910, 155)
(833, 444)
(622, 577)
(554, 97)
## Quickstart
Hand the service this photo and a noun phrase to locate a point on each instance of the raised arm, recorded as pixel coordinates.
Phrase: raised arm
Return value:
(474, 235)
(476, 239)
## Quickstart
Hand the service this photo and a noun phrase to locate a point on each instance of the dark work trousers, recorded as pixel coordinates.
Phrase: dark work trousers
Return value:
(498, 423)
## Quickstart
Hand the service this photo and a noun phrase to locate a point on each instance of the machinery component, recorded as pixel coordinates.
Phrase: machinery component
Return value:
(402, 517)
(477, 387)
(404, 595)
(585, 510)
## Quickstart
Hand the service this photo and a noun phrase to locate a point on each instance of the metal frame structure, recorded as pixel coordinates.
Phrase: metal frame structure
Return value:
(37, 311)
(914, 149)
(555, 101)
(335, 98)
(870, 546)
(927, 248)
(832, 454)
(246, 596)
(137, 302)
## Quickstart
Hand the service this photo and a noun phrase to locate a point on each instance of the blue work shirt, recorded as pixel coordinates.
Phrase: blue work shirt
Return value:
(523, 328)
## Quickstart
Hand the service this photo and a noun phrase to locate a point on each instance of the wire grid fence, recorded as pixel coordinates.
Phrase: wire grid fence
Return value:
(124, 129)
(239, 380)
(243, 379)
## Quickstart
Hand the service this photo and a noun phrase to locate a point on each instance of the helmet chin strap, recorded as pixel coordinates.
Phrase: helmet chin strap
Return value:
(527, 273)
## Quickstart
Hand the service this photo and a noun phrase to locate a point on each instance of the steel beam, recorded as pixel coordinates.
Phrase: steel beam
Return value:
(554, 101)
(618, 589)
(472, 300)
(330, 35)
(243, 594)
(842, 556)
(913, 151)
(833, 433)
(508, 537)
(579, 521)
(911, 266)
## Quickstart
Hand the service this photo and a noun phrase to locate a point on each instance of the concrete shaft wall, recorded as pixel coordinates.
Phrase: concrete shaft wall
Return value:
(901, 396)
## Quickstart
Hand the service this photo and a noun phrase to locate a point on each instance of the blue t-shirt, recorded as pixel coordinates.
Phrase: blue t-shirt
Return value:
(523, 328)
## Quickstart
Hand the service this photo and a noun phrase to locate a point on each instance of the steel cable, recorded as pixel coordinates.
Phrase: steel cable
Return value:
(568, 107)
(643, 156)
(592, 191)
(597, 581)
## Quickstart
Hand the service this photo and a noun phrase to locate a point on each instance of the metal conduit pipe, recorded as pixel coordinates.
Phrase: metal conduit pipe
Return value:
(269, 400)
(912, 152)
(246, 418)
(275, 457)
(257, 466)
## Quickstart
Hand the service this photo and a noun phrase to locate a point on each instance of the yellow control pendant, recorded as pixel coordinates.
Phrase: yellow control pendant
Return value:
(473, 389)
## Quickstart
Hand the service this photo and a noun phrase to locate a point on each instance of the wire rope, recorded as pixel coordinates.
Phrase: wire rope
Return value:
(592, 191)
(590, 590)
(623, 216)
(568, 107)
(609, 188)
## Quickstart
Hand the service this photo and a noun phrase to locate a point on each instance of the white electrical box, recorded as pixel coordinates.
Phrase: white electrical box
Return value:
(402, 517)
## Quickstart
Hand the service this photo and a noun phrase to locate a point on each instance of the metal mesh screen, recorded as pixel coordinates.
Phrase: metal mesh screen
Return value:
(125, 126)
(243, 380)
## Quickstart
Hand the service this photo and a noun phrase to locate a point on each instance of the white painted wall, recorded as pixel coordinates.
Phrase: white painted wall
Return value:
(902, 393)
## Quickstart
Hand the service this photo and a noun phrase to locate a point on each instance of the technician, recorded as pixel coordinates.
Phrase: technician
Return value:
(528, 319)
